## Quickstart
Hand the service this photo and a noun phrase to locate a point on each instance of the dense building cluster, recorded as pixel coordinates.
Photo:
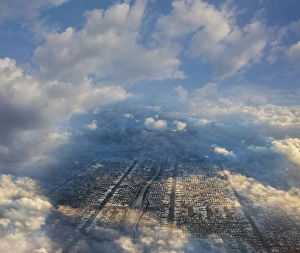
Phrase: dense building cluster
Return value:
(162, 197)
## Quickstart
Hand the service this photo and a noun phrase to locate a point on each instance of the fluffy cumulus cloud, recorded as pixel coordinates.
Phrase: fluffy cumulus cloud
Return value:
(221, 123)
(153, 124)
(259, 104)
(288, 147)
(266, 196)
(215, 35)
(128, 116)
(77, 71)
(107, 47)
(222, 151)
(239, 48)
(34, 105)
(110, 240)
(92, 126)
(180, 126)
(31, 110)
(23, 213)
(127, 245)
(274, 114)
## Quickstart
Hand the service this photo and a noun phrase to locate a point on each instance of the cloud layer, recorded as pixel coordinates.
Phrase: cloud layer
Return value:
(88, 88)
(215, 35)
(290, 148)
(107, 47)
(75, 70)
(266, 196)
(32, 110)
(23, 213)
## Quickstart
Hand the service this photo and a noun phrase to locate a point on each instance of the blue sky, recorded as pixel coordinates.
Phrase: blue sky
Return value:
(23, 29)
(219, 79)
(62, 62)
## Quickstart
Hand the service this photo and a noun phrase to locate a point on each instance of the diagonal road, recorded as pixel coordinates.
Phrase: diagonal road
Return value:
(69, 248)
(135, 209)
(248, 216)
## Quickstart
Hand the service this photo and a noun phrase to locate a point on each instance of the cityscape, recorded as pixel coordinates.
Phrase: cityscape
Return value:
(149, 126)
(165, 197)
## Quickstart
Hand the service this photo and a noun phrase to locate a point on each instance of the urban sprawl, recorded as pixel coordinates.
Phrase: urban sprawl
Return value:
(165, 197)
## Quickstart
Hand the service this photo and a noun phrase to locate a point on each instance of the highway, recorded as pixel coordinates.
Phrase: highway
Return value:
(248, 216)
(135, 209)
(172, 199)
(85, 167)
(89, 222)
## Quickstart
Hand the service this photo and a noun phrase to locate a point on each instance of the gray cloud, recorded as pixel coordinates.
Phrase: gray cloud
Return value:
(255, 142)
(41, 110)
(234, 124)
(32, 110)
(108, 46)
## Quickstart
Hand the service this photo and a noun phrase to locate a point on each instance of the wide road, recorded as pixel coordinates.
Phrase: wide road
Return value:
(248, 216)
(98, 209)
(173, 194)
(135, 210)
(85, 167)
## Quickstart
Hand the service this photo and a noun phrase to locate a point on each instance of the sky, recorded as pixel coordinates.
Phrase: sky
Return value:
(216, 78)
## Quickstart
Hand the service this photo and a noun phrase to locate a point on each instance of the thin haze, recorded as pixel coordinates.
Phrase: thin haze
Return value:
(218, 79)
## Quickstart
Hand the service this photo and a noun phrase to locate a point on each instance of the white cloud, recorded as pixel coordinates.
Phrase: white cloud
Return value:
(216, 38)
(274, 114)
(107, 47)
(150, 123)
(236, 50)
(223, 151)
(288, 147)
(29, 8)
(203, 122)
(188, 16)
(293, 56)
(23, 212)
(180, 126)
(128, 116)
(128, 246)
(266, 196)
(275, 107)
(181, 92)
(92, 126)
(31, 110)
(208, 90)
